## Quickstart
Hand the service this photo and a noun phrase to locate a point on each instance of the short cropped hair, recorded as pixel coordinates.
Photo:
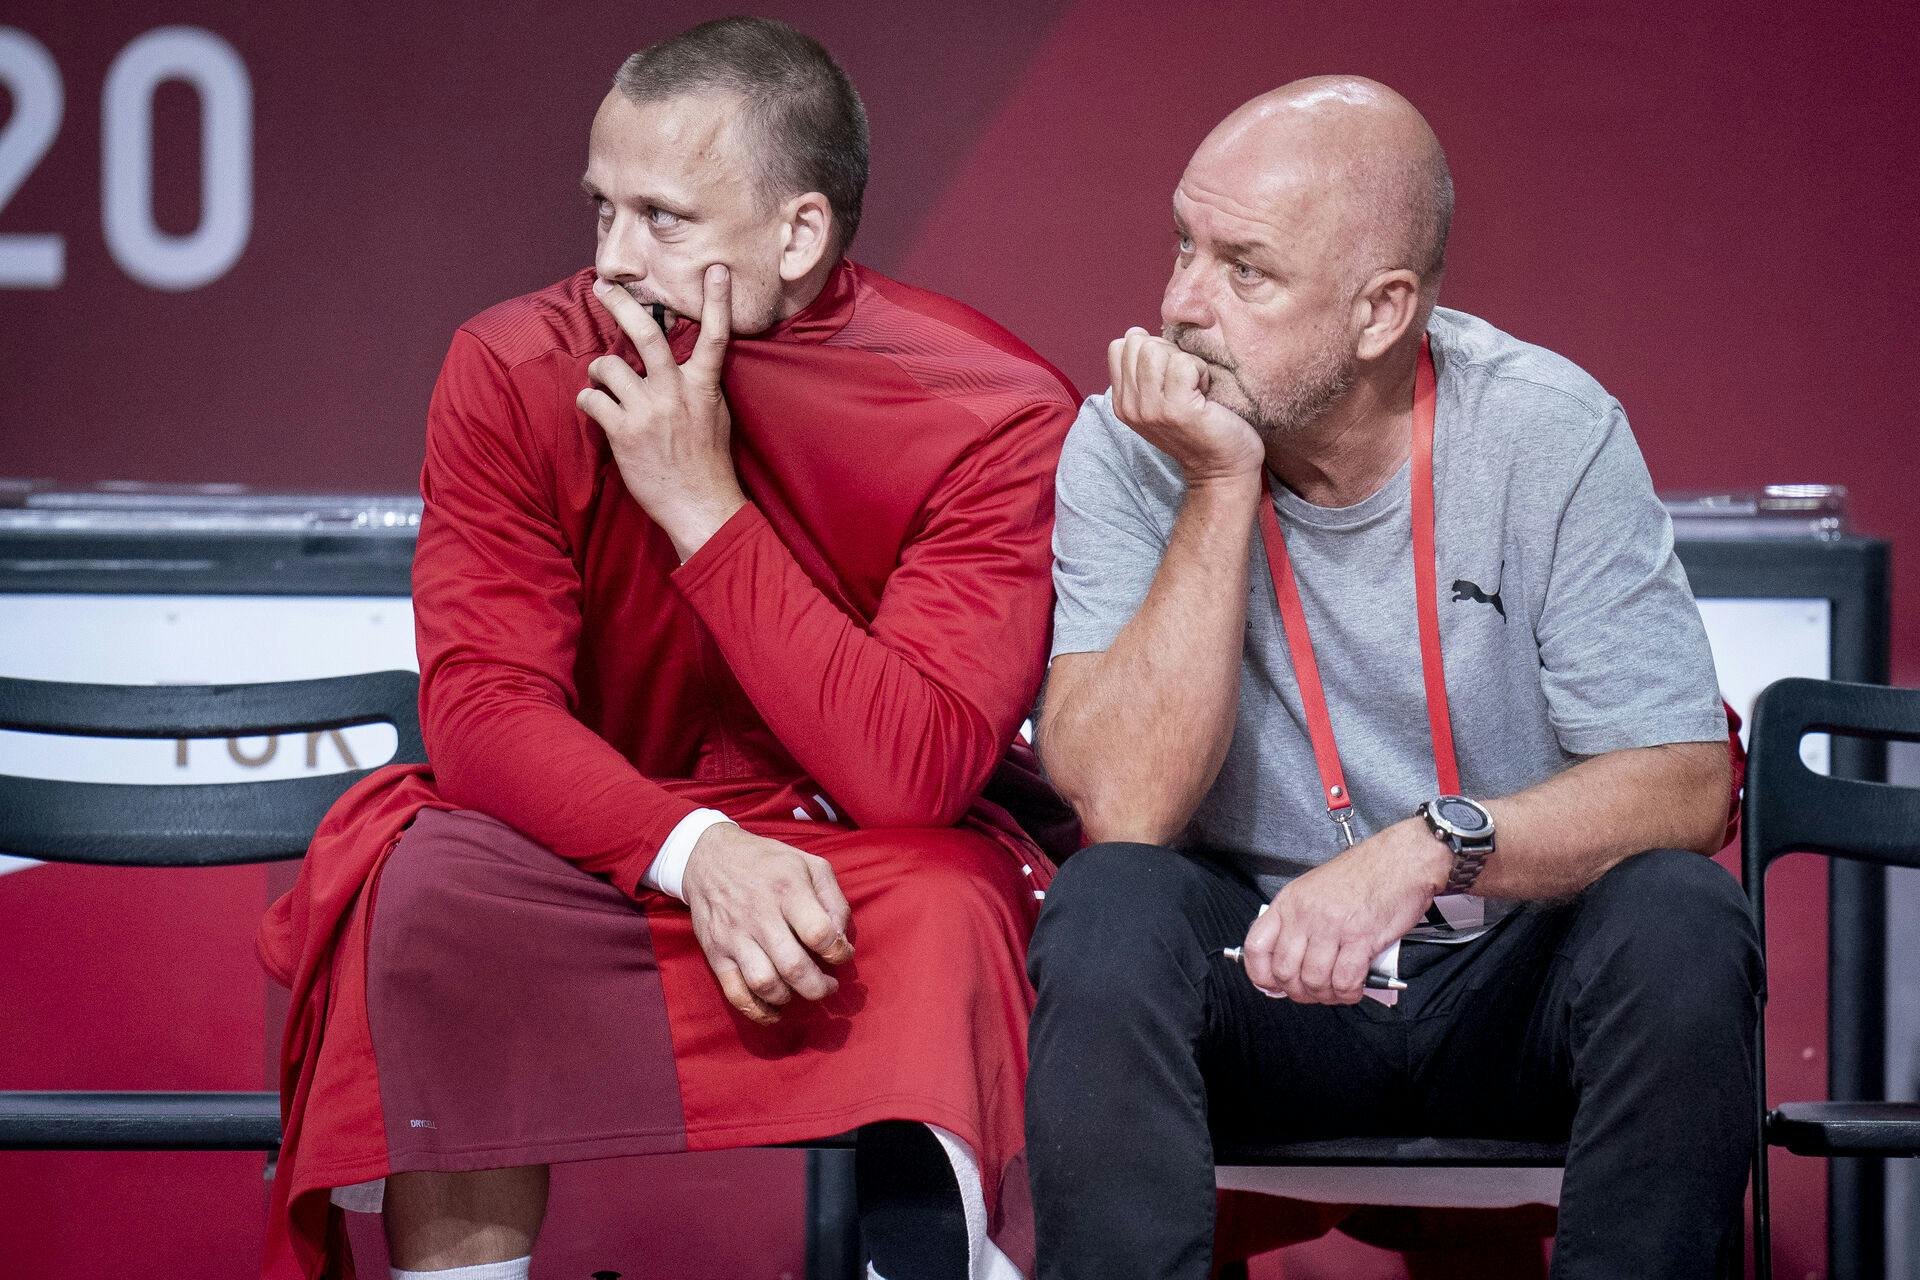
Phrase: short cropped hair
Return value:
(802, 113)
(1434, 216)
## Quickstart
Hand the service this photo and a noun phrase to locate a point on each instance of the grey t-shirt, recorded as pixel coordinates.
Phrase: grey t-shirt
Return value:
(1566, 623)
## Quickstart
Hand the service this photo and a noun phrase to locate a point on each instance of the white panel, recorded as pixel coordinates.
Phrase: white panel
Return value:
(170, 639)
(1756, 642)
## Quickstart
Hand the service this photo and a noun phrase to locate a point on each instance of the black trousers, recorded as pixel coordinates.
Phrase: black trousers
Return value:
(1624, 1018)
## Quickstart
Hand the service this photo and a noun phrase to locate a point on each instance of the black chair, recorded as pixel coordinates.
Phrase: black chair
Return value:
(1789, 808)
(227, 824)
(207, 825)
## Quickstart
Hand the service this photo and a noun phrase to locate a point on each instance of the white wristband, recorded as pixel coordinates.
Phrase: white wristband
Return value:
(670, 864)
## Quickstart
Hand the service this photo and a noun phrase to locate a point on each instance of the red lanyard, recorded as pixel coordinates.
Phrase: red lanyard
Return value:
(1326, 753)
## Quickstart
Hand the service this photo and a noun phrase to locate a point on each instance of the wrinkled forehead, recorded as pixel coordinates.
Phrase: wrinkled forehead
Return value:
(692, 142)
(1240, 193)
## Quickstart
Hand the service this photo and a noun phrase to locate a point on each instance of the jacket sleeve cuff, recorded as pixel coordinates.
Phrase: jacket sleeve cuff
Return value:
(670, 864)
(713, 554)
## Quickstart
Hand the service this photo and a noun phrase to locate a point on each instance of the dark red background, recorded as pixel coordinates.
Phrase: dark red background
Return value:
(1713, 207)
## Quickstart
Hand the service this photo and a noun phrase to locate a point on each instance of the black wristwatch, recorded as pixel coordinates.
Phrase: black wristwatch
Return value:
(1465, 827)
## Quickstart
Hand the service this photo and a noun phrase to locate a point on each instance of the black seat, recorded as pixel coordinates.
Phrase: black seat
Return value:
(1398, 1152)
(1790, 808)
(1464, 1154)
(139, 1121)
(1846, 1128)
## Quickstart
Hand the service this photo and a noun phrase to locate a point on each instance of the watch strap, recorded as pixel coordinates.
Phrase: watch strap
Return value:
(1468, 862)
(1469, 856)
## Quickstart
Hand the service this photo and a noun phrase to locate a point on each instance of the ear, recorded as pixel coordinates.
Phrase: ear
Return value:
(807, 233)
(1385, 309)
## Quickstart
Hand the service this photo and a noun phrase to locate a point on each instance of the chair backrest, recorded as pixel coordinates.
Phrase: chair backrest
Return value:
(1791, 808)
(210, 824)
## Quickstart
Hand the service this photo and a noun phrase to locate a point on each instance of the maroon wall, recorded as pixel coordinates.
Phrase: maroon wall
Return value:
(1711, 206)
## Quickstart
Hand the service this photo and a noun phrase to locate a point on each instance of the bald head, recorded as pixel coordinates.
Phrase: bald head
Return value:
(1357, 152)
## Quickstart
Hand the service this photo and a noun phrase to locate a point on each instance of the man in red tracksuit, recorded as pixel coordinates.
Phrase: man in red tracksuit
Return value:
(723, 627)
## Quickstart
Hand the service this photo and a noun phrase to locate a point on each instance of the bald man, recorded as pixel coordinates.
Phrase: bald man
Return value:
(1374, 673)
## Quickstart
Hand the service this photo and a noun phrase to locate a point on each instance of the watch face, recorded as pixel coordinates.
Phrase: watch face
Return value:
(1464, 816)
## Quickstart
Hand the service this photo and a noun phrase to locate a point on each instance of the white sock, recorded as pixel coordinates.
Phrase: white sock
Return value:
(511, 1269)
(984, 1259)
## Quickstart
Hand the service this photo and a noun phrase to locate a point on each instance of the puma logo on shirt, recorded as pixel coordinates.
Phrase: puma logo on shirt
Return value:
(1464, 590)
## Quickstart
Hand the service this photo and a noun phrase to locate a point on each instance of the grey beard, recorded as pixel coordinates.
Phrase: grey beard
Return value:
(1329, 376)
(1309, 397)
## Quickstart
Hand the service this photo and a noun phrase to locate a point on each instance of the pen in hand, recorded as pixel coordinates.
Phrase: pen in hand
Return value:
(1375, 981)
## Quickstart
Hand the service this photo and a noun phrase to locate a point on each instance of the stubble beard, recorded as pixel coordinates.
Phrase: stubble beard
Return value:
(759, 313)
(1326, 375)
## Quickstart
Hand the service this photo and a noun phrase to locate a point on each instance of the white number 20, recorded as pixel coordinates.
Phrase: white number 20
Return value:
(145, 252)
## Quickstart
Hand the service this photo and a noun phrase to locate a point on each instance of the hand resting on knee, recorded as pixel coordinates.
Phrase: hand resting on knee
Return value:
(768, 917)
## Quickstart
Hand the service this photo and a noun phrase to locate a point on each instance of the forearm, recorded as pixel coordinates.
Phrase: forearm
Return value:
(1138, 733)
(892, 745)
(500, 746)
(1558, 837)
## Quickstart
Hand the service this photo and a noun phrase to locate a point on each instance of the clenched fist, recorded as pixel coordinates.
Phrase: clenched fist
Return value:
(669, 427)
(1161, 392)
(1315, 944)
(768, 917)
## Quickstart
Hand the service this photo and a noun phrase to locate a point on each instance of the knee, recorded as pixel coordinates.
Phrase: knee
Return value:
(1674, 927)
(1674, 899)
(436, 910)
(1111, 908)
(1113, 888)
(959, 880)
